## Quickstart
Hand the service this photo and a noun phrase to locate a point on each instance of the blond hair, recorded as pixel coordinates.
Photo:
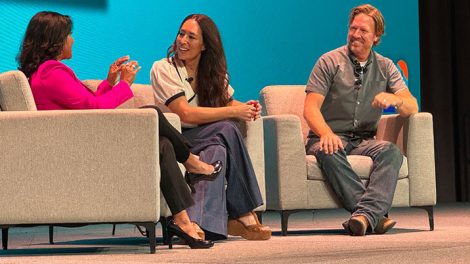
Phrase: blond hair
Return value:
(372, 12)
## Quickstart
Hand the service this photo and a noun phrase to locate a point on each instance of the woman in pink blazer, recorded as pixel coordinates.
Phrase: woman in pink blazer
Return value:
(47, 41)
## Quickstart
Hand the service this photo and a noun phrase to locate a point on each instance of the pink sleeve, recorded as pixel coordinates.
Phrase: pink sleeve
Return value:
(103, 88)
(66, 90)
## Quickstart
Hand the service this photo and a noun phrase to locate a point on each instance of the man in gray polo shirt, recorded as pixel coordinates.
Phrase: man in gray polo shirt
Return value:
(346, 93)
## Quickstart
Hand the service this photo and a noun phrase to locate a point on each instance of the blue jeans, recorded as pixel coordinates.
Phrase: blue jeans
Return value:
(374, 199)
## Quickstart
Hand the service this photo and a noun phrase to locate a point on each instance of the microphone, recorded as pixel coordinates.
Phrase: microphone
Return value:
(189, 79)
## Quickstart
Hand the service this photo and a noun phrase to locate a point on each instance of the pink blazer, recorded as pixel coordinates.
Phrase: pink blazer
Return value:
(55, 86)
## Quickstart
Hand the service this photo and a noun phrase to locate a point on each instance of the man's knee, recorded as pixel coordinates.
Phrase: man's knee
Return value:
(330, 159)
(392, 150)
(390, 154)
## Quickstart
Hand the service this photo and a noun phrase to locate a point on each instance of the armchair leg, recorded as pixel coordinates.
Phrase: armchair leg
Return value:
(114, 230)
(164, 222)
(5, 238)
(141, 231)
(150, 227)
(285, 219)
(430, 210)
(51, 234)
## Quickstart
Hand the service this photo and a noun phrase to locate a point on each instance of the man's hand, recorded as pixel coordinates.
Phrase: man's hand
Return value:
(330, 143)
(385, 100)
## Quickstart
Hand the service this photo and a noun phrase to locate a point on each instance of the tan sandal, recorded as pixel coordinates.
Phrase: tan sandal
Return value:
(251, 232)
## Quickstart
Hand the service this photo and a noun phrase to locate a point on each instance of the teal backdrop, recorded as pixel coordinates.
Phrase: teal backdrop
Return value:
(266, 41)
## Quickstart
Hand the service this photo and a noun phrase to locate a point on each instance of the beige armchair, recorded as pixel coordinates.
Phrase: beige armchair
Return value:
(75, 167)
(77, 150)
(294, 180)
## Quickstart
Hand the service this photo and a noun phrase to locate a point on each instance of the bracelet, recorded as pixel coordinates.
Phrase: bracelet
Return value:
(398, 105)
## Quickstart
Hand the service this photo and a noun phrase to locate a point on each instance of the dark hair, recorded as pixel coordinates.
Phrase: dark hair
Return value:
(212, 77)
(43, 40)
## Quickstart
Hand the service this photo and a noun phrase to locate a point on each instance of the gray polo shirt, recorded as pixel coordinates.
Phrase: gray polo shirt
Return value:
(347, 108)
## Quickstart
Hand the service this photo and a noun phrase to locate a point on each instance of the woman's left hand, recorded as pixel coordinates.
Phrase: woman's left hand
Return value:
(257, 106)
(115, 69)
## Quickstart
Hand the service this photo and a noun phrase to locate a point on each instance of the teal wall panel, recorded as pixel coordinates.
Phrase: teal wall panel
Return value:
(266, 42)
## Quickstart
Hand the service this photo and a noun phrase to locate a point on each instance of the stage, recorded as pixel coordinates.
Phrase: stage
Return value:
(312, 238)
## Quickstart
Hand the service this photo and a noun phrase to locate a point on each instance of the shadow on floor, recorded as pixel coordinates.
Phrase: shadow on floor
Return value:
(340, 232)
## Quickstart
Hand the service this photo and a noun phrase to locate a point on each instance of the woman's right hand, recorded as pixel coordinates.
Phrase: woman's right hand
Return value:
(245, 112)
(114, 70)
(128, 72)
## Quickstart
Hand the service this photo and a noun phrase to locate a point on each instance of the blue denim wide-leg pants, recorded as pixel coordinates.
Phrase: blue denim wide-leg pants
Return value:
(235, 191)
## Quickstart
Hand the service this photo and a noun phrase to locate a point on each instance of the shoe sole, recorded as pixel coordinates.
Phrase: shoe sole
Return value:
(235, 228)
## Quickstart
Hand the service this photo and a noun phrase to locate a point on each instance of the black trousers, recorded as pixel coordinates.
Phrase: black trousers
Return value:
(165, 129)
(173, 147)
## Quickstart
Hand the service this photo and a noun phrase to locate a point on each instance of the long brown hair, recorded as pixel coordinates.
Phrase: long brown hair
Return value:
(212, 77)
(43, 40)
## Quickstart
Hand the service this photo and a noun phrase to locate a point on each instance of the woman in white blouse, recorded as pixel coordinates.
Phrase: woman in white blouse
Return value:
(193, 83)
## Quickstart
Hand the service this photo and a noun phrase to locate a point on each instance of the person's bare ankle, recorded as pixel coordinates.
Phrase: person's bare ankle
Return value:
(195, 165)
(247, 219)
(188, 228)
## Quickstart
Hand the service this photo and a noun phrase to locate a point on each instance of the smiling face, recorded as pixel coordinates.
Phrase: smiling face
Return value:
(362, 36)
(189, 42)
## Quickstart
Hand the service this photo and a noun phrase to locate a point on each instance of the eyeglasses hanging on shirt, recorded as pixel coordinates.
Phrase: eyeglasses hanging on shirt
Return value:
(359, 72)
(359, 76)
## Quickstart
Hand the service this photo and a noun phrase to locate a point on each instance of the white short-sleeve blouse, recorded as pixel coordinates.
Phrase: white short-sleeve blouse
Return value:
(170, 81)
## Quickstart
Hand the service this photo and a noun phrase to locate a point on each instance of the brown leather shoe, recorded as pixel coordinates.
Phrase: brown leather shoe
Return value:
(384, 225)
(346, 227)
(358, 225)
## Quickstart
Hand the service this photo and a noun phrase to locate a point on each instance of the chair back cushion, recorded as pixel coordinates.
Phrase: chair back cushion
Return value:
(285, 99)
(143, 94)
(15, 93)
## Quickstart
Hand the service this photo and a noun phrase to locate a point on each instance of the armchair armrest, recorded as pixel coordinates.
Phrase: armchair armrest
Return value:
(174, 120)
(414, 136)
(286, 171)
(79, 166)
(253, 134)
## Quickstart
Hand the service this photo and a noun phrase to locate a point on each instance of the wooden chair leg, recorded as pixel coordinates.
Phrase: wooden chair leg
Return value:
(114, 230)
(5, 238)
